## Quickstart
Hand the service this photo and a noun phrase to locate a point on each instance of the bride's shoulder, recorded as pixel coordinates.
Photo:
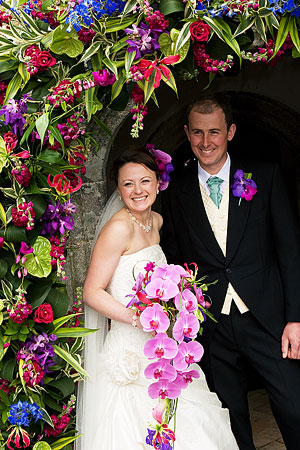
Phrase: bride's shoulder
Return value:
(119, 223)
(158, 220)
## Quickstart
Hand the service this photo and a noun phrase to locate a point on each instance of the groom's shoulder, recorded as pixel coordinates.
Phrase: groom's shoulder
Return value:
(255, 166)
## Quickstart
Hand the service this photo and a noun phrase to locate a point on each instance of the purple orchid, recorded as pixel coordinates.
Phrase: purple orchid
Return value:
(41, 347)
(186, 302)
(162, 289)
(58, 218)
(188, 353)
(186, 325)
(13, 114)
(161, 346)
(186, 377)
(142, 40)
(161, 369)
(243, 187)
(164, 389)
(153, 318)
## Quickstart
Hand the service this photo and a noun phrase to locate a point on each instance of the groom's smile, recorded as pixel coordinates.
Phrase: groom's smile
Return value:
(208, 136)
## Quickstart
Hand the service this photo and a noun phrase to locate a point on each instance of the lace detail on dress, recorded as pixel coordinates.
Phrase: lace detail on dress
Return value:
(123, 368)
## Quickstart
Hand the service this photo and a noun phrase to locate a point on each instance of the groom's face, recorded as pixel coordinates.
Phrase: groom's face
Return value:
(208, 136)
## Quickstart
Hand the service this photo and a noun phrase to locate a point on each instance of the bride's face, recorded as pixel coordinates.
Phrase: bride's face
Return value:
(137, 185)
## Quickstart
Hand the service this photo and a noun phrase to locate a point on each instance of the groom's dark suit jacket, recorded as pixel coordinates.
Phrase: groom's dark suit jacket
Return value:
(263, 253)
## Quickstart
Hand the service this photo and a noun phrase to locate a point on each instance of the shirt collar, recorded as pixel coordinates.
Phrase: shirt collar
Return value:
(223, 174)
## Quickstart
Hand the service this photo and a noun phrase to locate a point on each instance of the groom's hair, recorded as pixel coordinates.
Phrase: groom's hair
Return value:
(137, 156)
(208, 103)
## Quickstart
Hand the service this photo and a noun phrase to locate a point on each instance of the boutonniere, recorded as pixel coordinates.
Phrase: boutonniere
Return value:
(243, 186)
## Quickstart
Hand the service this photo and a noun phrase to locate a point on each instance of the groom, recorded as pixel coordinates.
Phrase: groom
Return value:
(252, 249)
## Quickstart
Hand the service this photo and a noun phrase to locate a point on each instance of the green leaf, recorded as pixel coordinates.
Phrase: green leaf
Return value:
(92, 49)
(65, 385)
(129, 58)
(56, 134)
(73, 332)
(170, 81)
(129, 6)
(183, 38)
(214, 26)
(38, 292)
(13, 87)
(61, 443)
(51, 156)
(3, 268)
(67, 43)
(261, 28)
(171, 6)
(23, 72)
(7, 289)
(59, 300)
(148, 87)
(42, 125)
(111, 66)
(118, 85)
(3, 215)
(57, 323)
(294, 33)
(89, 96)
(282, 33)
(70, 360)
(114, 24)
(8, 369)
(46, 4)
(245, 24)
(38, 263)
(7, 64)
(15, 234)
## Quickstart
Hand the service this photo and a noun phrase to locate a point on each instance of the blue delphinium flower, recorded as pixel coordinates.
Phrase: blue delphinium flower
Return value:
(22, 413)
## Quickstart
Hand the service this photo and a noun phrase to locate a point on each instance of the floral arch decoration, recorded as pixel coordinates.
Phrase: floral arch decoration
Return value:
(60, 64)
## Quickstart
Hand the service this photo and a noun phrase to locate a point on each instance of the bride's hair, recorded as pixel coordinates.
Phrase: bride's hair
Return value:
(137, 156)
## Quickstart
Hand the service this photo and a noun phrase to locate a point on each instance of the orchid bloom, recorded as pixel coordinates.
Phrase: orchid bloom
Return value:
(62, 185)
(153, 318)
(184, 378)
(159, 67)
(161, 369)
(160, 347)
(188, 353)
(164, 389)
(187, 302)
(171, 272)
(162, 289)
(186, 325)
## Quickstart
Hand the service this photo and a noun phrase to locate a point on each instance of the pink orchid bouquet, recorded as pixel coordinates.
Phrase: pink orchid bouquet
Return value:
(171, 305)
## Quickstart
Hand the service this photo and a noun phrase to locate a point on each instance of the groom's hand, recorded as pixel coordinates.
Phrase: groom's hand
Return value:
(290, 341)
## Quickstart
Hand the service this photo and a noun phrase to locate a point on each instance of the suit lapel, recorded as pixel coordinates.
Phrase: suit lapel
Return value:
(237, 217)
(194, 209)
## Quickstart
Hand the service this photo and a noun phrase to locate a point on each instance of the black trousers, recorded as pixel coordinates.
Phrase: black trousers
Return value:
(239, 338)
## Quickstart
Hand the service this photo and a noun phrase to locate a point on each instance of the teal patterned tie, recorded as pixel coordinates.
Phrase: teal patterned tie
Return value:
(214, 188)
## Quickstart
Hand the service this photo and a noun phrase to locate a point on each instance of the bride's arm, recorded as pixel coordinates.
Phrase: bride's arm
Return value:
(111, 244)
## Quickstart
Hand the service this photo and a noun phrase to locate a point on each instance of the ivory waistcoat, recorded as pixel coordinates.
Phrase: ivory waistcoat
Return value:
(218, 219)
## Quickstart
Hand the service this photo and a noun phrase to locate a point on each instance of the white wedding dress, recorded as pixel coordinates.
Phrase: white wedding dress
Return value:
(122, 407)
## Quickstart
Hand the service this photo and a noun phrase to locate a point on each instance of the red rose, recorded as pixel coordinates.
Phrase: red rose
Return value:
(43, 60)
(44, 314)
(199, 31)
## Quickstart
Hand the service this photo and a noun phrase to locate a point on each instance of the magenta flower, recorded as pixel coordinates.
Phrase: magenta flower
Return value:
(162, 289)
(170, 272)
(187, 302)
(25, 249)
(199, 296)
(249, 192)
(161, 347)
(184, 378)
(104, 78)
(161, 369)
(188, 353)
(153, 318)
(243, 187)
(186, 325)
(164, 389)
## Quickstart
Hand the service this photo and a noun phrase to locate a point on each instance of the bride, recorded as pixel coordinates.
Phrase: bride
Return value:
(114, 406)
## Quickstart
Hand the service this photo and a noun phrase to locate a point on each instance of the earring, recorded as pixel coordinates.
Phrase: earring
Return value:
(120, 197)
(157, 192)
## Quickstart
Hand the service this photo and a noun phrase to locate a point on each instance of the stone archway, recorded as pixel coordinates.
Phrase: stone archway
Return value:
(267, 114)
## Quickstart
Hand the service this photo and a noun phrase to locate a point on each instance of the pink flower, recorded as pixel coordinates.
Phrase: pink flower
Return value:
(153, 318)
(188, 353)
(25, 249)
(160, 347)
(162, 289)
(186, 325)
(249, 192)
(187, 302)
(184, 378)
(170, 272)
(104, 78)
(1, 242)
(161, 369)
(163, 389)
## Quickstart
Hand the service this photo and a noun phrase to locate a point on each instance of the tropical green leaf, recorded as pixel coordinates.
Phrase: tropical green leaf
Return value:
(264, 12)
(65, 385)
(61, 443)
(56, 134)
(38, 292)
(13, 87)
(260, 26)
(91, 50)
(129, 6)
(182, 38)
(3, 271)
(15, 234)
(171, 6)
(214, 26)
(129, 58)
(89, 96)
(3, 215)
(231, 42)
(118, 85)
(57, 323)
(170, 81)
(294, 33)
(24, 73)
(113, 25)
(148, 87)
(3, 154)
(42, 125)
(111, 66)
(73, 332)
(51, 157)
(7, 63)
(70, 360)
(245, 24)
(42, 445)
(67, 43)
(38, 263)
(282, 33)
(59, 300)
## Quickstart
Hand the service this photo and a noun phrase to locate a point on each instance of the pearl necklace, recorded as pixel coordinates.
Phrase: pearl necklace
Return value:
(146, 228)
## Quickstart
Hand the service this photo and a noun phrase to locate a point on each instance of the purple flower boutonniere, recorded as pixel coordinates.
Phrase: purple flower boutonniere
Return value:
(243, 186)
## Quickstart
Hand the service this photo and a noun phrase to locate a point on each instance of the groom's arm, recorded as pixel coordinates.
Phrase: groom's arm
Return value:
(287, 242)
